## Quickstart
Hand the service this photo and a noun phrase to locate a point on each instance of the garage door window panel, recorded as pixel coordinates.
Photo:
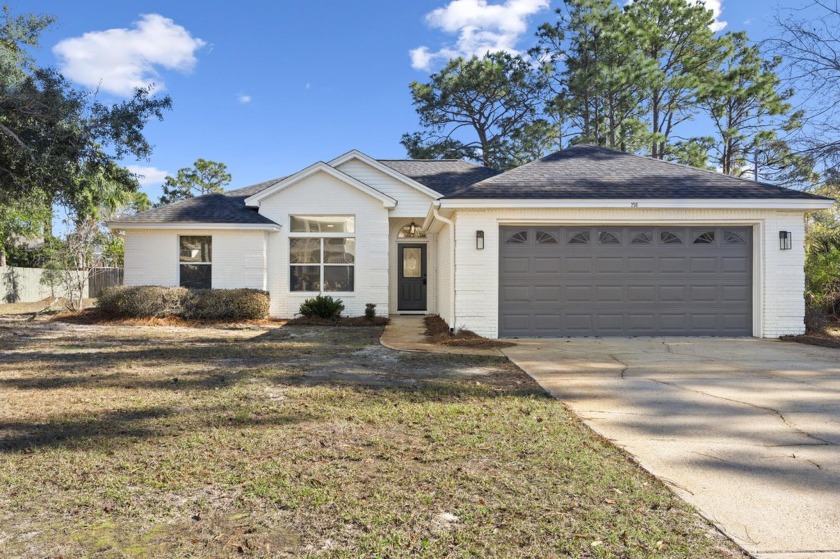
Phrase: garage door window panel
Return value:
(579, 237)
(733, 238)
(518, 238)
(670, 238)
(643, 238)
(705, 238)
(608, 238)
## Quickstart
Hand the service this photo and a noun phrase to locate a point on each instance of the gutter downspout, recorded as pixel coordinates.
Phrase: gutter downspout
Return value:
(451, 224)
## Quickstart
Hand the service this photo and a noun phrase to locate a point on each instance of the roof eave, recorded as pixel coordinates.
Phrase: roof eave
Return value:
(800, 204)
(135, 225)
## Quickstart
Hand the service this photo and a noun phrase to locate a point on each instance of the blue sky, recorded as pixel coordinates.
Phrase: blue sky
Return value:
(270, 87)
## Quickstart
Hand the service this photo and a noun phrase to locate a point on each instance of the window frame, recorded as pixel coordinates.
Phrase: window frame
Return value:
(181, 263)
(321, 264)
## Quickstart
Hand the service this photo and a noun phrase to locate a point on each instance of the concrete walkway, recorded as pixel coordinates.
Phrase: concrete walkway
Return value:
(745, 430)
(406, 333)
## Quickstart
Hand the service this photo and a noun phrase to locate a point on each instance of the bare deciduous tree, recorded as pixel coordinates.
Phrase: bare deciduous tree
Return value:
(809, 43)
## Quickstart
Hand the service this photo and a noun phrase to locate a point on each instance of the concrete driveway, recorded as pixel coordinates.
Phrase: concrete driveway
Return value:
(746, 430)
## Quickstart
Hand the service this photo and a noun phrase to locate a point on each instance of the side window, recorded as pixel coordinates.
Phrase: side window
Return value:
(195, 261)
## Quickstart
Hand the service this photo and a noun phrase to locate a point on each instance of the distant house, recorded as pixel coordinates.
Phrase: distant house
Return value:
(584, 242)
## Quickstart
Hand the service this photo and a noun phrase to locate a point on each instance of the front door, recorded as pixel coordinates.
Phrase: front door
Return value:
(411, 284)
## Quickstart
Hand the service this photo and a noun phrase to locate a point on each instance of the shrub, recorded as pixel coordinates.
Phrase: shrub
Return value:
(226, 304)
(214, 304)
(322, 306)
(142, 301)
(370, 311)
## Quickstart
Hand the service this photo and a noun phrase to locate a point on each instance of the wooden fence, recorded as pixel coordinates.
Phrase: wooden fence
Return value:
(26, 285)
(100, 278)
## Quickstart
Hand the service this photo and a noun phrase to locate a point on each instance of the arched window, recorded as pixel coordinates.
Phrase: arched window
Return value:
(411, 231)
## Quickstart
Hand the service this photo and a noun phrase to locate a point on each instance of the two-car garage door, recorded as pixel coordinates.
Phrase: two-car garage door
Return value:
(625, 281)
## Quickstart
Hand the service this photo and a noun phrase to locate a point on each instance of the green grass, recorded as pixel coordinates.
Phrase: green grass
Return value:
(291, 442)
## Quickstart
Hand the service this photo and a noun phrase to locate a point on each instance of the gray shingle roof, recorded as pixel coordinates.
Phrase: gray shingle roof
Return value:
(228, 207)
(441, 175)
(586, 171)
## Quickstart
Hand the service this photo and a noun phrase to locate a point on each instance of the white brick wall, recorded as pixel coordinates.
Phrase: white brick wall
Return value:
(778, 278)
(322, 194)
(151, 257)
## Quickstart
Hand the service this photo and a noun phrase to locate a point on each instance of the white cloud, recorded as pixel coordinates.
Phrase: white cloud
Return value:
(148, 176)
(717, 7)
(480, 26)
(244, 99)
(118, 60)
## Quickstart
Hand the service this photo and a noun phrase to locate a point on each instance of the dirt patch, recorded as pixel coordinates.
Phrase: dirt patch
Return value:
(341, 321)
(50, 305)
(437, 332)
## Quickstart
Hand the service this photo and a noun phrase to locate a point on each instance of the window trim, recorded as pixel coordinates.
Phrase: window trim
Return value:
(321, 265)
(180, 263)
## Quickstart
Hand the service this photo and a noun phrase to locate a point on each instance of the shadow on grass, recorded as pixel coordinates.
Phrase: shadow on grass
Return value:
(95, 431)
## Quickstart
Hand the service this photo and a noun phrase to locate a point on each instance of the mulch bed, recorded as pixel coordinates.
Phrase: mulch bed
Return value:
(341, 321)
(824, 340)
(437, 332)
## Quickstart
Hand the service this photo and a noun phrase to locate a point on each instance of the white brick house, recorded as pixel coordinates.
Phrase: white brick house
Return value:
(584, 242)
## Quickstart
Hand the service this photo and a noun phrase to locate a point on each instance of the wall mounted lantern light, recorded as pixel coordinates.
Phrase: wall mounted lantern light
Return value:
(412, 229)
(785, 241)
(479, 240)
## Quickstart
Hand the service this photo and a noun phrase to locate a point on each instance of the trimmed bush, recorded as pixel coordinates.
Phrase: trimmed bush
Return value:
(148, 301)
(322, 306)
(142, 301)
(226, 304)
(370, 311)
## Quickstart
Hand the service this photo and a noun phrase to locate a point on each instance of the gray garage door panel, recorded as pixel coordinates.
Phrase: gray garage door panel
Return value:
(607, 281)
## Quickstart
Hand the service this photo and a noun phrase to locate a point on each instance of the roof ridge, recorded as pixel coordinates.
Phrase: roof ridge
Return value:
(433, 161)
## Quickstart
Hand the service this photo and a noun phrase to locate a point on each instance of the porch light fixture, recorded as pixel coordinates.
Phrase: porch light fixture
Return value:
(785, 241)
(412, 229)
(479, 240)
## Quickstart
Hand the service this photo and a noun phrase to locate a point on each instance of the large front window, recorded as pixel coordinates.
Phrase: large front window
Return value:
(195, 260)
(321, 254)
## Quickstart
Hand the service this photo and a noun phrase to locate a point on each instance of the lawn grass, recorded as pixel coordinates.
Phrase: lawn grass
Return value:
(305, 442)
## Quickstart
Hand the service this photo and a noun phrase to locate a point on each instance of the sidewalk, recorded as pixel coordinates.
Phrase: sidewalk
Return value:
(406, 333)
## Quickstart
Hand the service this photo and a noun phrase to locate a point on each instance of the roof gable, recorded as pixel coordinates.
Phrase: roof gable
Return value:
(319, 167)
(592, 172)
(356, 154)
